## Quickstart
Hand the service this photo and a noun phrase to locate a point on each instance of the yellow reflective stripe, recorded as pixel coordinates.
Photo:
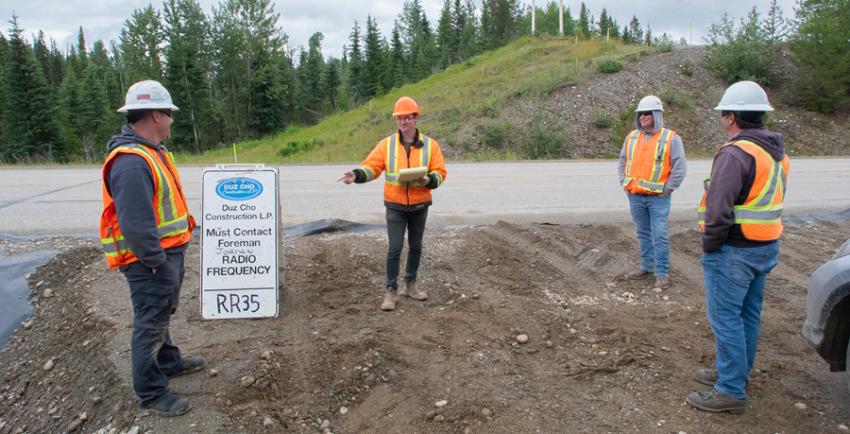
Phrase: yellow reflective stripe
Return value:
(370, 175)
(172, 228)
(630, 152)
(661, 150)
(391, 174)
(165, 201)
(425, 158)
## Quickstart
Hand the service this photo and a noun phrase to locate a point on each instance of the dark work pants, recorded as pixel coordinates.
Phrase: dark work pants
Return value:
(155, 298)
(397, 223)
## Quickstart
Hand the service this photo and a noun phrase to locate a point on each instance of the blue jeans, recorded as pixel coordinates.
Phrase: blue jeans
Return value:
(734, 291)
(155, 298)
(651, 216)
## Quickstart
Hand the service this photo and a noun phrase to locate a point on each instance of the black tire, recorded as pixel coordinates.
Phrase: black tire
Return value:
(847, 365)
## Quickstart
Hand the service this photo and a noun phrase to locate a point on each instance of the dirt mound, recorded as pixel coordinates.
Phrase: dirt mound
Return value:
(602, 353)
(690, 93)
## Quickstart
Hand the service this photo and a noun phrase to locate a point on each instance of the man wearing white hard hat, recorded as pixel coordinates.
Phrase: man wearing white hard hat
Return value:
(652, 166)
(740, 221)
(145, 228)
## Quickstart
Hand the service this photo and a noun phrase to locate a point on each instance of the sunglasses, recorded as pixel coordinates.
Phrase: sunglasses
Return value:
(165, 112)
(405, 118)
(644, 113)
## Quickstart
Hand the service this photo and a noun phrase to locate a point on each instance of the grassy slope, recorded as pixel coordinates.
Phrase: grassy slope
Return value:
(452, 102)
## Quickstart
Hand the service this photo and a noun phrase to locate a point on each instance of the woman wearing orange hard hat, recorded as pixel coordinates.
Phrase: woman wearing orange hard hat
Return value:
(413, 165)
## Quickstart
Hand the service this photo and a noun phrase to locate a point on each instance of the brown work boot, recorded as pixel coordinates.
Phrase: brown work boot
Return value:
(716, 402)
(639, 274)
(662, 282)
(390, 299)
(705, 376)
(414, 292)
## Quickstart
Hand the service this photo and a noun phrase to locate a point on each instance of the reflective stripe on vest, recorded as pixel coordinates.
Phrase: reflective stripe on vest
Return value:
(662, 148)
(169, 224)
(392, 164)
(759, 216)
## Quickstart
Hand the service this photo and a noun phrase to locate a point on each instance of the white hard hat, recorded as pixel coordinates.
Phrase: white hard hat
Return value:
(147, 95)
(744, 96)
(650, 103)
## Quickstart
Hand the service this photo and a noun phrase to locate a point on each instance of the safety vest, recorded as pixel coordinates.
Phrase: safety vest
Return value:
(647, 161)
(174, 224)
(390, 157)
(760, 214)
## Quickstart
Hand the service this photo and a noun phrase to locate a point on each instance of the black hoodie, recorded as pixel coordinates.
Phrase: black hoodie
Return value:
(732, 174)
(130, 182)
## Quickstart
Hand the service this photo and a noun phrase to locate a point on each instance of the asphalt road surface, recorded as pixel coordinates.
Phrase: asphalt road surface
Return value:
(67, 200)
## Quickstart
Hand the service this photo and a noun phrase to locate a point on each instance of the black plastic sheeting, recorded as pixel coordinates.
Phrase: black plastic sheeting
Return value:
(328, 226)
(15, 306)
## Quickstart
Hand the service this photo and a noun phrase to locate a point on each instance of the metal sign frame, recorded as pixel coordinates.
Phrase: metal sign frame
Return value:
(236, 186)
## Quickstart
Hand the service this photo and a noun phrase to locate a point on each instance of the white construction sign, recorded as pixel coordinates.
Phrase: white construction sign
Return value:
(239, 242)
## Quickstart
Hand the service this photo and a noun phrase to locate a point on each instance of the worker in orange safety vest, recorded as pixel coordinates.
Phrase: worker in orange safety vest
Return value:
(740, 224)
(406, 202)
(652, 166)
(145, 228)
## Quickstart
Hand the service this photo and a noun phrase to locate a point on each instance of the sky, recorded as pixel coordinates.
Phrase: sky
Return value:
(104, 19)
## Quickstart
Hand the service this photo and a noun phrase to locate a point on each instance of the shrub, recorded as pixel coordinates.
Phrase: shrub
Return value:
(543, 141)
(609, 66)
(295, 147)
(742, 53)
(494, 133)
(676, 98)
(600, 118)
(687, 68)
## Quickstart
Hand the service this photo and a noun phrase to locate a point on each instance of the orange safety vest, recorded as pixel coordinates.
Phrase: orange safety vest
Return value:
(389, 155)
(760, 214)
(647, 161)
(174, 224)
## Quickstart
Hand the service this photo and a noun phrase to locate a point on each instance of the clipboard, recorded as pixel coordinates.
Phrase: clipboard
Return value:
(412, 174)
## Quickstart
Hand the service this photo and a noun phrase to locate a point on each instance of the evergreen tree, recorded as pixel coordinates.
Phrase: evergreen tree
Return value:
(468, 44)
(331, 82)
(446, 36)
(4, 54)
(356, 75)
(141, 42)
(374, 60)
(188, 71)
(310, 67)
(648, 37)
(821, 49)
(775, 25)
(584, 22)
(92, 115)
(396, 58)
(31, 130)
(633, 34)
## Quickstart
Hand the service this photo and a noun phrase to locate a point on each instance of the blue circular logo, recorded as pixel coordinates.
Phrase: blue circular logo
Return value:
(238, 188)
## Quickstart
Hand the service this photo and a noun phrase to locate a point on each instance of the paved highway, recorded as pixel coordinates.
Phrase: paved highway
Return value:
(67, 200)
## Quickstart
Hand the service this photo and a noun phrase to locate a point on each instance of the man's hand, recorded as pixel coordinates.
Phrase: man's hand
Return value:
(347, 177)
(425, 180)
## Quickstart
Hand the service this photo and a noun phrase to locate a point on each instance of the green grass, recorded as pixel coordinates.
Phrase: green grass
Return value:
(459, 108)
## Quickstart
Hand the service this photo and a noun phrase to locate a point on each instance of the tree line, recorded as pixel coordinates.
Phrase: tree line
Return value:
(233, 74)
(816, 41)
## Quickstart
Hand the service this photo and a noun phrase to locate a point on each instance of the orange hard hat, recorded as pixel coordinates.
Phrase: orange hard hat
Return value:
(405, 106)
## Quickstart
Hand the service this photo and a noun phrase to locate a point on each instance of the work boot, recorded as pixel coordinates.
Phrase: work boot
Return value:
(662, 282)
(414, 292)
(390, 299)
(639, 274)
(716, 402)
(170, 405)
(705, 376)
(188, 365)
